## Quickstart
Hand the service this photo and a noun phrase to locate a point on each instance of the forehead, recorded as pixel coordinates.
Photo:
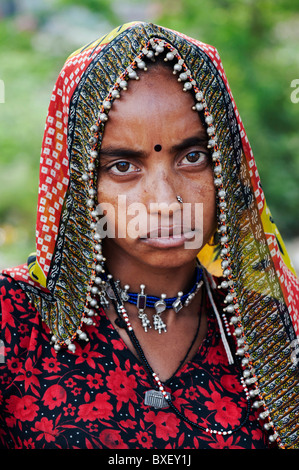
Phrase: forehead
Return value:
(154, 105)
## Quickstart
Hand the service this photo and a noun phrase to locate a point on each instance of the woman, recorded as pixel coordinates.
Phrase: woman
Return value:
(159, 277)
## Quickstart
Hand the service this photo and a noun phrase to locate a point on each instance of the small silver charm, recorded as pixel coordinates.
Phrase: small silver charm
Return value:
(156, 399)
(160, 306)
(159, 324)
(177, 304)
(124, 293)
(144, 321)
(141, 305)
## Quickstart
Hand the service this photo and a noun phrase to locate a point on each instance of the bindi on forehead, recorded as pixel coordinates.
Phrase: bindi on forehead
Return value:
(158, 148)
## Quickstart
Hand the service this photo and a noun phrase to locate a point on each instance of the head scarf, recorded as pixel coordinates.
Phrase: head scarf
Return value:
(59, 276)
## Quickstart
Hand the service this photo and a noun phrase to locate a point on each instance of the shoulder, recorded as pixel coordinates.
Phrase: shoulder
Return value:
(13, 301)
(10, 291)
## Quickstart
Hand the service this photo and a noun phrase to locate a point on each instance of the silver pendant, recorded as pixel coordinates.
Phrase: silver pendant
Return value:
(144, 320)
(159, 323)
(160, 305)
(156, 399)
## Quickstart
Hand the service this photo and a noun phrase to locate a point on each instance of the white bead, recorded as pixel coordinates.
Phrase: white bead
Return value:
(238, 331)
(94, 214)
(230, 308)
(183, 76)
(133, 75)
(177, 68)
(211, 130)
(240, 352)
(229, 298)
(141, 64)
(115, 94)
(267, 426)
(212, 142)
(169, 56)
(107, 105)
(224, 284)
(103, 117)
(199, 106)
(246, 373)
(216, 157)
(83, 336)
(123, 84)
(199, 96)
(264, 414)
(159, 49)
(218, 181)
(188, 86)
(72, 347)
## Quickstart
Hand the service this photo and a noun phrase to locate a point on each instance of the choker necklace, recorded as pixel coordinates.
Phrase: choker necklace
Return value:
(160, 304)
(158, 397)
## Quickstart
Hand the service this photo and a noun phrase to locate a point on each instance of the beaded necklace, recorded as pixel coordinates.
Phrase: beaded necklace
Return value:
(160, 398)
(160, 304)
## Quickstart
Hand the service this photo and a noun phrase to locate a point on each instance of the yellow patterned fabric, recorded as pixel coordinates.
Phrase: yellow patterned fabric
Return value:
(58, 275)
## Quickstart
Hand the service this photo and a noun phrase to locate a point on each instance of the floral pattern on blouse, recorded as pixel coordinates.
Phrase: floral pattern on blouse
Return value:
(94, 398)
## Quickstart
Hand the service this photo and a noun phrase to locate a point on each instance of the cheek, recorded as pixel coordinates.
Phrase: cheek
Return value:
(203, 192)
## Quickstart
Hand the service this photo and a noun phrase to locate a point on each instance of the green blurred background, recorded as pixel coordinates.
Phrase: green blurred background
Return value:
(257, 39)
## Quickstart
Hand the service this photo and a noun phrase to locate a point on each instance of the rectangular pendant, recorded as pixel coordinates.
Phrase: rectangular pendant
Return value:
(141, 301)
(156, 399)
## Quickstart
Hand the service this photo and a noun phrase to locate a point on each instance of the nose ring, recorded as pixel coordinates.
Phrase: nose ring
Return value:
(180, 199)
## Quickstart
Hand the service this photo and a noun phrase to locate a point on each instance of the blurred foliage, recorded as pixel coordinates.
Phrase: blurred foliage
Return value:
(257, 41)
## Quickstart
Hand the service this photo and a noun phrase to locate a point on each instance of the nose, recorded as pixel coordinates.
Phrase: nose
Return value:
(162, 190)
(161, 187)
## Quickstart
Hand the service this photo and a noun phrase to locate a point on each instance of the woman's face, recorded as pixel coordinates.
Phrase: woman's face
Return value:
(154, 149)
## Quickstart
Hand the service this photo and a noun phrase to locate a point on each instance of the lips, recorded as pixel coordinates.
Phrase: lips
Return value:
(176, 231)
(168, 237)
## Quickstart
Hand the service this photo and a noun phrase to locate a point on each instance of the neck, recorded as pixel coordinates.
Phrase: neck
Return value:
(169, 280)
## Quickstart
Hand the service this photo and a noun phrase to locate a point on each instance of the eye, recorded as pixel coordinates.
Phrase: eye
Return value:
(195, 157)
(122, 167)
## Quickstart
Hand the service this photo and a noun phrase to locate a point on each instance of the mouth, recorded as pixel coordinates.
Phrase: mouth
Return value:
(168, 237)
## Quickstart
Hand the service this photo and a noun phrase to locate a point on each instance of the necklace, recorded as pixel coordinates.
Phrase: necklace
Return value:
(159, 397)
(160, 304)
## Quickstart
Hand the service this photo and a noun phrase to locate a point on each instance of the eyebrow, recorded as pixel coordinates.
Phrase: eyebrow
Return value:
(121, 152)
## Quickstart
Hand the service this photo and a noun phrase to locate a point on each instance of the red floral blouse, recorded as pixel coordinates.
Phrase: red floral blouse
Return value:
(95, 398)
